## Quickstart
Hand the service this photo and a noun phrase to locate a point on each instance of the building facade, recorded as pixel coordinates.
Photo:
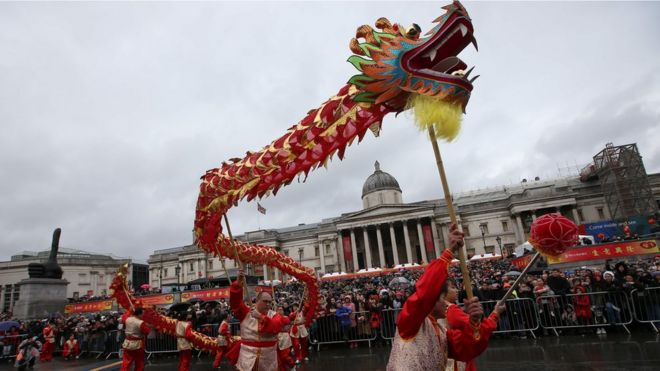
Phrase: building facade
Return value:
(88, 274)
(389, 232)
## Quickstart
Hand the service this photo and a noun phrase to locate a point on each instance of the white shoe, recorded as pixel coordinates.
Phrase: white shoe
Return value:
(603, 331)
(597, 331)
(306, 359)
(297, 361)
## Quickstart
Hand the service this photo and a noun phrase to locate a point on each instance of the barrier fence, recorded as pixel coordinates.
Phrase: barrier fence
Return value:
(646, 306)
(331, 330)
(9, 345)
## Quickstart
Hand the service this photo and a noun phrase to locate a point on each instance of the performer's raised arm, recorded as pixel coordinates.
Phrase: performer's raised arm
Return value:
(236, 297)
(428, 288)
(470, 334)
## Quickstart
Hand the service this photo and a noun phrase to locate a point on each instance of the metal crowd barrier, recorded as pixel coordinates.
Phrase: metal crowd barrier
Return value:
(646, 306)
(521, 316)
(157, 343)
(9, 345)
(330, 330)
(388, 323)
(595, 309)
(96, 343)
(113, 343)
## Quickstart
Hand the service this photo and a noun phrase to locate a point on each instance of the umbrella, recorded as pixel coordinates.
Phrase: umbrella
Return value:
(179, 307)
(513, 274)
(399, 282)
(7, 325)
(195, 300)
(145, 286)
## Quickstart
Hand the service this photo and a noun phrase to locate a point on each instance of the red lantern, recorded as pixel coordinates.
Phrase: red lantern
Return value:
(651, 221)
(552, 234)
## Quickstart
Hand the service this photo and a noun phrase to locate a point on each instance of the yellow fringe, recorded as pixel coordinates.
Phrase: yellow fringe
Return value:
(445, 117)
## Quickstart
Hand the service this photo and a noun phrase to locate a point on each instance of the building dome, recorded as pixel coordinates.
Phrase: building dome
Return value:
(379, 181)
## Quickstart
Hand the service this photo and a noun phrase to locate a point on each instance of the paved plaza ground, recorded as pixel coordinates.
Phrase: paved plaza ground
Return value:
(637, 352)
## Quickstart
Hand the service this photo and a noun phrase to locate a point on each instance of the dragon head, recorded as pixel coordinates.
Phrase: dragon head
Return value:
(397, 63)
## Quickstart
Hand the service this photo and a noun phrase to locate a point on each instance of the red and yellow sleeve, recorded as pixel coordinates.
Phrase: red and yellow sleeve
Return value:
(272, 325)
(469, 342)
(236, 301)
(457, 318)
(144, 329)
(420, 304)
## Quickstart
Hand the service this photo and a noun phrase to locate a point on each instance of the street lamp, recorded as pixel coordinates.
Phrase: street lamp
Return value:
(499, 242)
(483, 235)
(177, 270)
(300, 254)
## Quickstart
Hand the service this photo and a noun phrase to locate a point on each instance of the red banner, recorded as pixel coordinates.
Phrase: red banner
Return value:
(607, 251)
(428, 238)
(212, 294)
(157, 299)
(90, 306)
(522, 261)
(348, 253)
(263, 288)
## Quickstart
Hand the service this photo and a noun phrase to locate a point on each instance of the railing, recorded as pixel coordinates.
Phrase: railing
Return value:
(595, 309)
(646, 306)
(521, 316)
(388, 323)
(9, 345)
(113, 343)
(157, 343)
(331, 331)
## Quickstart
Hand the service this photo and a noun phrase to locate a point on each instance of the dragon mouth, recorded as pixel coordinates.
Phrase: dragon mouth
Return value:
(436, 57)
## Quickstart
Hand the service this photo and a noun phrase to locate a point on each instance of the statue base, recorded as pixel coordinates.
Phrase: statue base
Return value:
(40, 297)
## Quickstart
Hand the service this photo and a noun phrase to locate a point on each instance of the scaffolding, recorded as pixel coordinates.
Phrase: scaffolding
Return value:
(624, 181)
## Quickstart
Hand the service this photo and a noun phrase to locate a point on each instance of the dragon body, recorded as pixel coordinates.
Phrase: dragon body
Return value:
(396, 64)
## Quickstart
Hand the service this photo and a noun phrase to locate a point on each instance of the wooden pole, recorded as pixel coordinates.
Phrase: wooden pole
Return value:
(238, 259)
(467, 284)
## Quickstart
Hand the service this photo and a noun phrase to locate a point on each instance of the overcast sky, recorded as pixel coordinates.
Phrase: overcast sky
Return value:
(109, 113)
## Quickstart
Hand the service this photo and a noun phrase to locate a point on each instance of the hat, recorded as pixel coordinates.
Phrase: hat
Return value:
(608, 272)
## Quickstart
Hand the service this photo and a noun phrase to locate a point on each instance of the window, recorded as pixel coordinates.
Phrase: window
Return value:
(483, 227)
(316, 251)
(580, 217)
(466, 230)
(327, 249)
(210, 265)
(470, 251)
(164, 272)
(192, 267)
(601, 213)
(285, 252)
(505, 226)
(490, 249)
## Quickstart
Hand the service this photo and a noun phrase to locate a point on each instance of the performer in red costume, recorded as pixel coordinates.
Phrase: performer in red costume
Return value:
(183, 330)
(49, 342)
(135, 330)
(299, 335)
(259, 329)
(224, 341)
(284, 345)
(71, 348)
(420, 342)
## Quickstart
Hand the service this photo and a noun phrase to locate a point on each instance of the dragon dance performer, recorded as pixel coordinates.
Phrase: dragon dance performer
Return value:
(49, 342)
(224, 341)
(299, 335)
(420, 342)
(135, 330)
(284, 345)
(183, 330)
(259, 329)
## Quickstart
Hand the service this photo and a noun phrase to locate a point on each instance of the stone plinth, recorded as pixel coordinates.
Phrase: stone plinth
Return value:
(40, 297)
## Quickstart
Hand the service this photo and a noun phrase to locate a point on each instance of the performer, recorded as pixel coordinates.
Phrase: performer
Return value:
(224, 340)
(71, 348)
(259, 329)
(183, 330)
(49, 342)
(133, 346)
(284, 345)
(299, 335)
(420, 342)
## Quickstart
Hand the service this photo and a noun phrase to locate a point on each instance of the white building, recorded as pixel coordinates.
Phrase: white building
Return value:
(388, 231)
(89, 274)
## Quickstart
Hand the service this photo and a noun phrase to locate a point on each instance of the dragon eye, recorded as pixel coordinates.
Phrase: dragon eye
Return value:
(413, 31)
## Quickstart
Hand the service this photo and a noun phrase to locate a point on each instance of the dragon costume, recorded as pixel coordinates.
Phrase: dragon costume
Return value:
(398, 69)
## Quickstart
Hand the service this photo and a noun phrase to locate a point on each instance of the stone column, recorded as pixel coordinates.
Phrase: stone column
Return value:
(322, 254)
(395, 249)
(407, 239)
(445, 233)
(367, 248)
(436, 239)
(356, 265)
(422, 245)
(576, 217)
(339, 250)
(381, 252)
(516, 231)
(520, 228)
(265, 268)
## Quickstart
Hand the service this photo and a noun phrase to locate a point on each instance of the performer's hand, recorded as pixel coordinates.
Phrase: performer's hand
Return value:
(474, 309)
(455, 238)
(500, 307)
(241, 277)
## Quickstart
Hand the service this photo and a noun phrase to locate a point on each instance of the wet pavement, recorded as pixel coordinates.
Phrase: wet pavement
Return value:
(638, 352)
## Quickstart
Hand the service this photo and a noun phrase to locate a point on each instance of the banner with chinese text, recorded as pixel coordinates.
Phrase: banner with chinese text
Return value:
(90, 306)
(260, 288)
(607, 251)
(212, 294)
(164, 299)
(522, 261)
